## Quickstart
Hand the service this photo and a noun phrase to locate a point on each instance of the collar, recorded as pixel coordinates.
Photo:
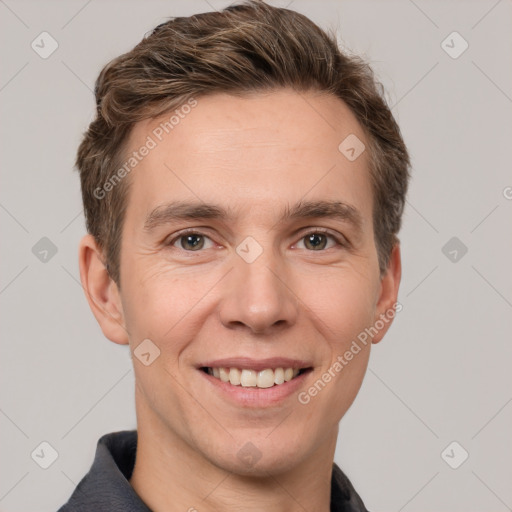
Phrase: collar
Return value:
(106, 486)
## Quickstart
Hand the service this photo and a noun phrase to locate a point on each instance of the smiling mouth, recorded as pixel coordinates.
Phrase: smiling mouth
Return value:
(247, 378)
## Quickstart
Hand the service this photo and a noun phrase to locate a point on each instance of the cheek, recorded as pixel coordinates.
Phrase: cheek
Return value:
(154, 302)
(165, 305)
(344, 310)
(343, 303)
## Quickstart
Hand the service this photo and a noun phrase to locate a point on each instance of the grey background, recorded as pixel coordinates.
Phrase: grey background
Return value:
(442, 374)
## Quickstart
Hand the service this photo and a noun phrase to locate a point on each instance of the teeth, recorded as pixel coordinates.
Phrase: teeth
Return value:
(248, 379)
(234, 376)
(278, 376)
(266, 378)
(252, 378)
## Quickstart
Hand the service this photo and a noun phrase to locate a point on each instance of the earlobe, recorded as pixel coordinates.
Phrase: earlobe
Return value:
(387, 303)
(101, 291)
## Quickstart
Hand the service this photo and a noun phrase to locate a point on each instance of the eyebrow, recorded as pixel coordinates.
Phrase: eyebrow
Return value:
(182, 210)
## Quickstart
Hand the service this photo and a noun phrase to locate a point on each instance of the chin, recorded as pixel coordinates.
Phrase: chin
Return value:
(259, 456)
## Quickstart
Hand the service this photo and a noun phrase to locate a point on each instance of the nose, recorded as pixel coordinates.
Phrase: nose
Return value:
(259, 296)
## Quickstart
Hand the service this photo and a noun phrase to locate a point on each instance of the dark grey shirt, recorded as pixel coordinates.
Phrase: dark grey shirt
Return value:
(106, 487)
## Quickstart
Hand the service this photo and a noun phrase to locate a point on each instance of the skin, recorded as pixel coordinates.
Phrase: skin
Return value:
(256, 155)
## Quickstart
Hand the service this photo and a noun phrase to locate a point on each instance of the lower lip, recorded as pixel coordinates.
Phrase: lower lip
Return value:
(254, 396)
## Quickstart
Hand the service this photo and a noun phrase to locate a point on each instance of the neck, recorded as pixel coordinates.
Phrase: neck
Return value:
(169, 475)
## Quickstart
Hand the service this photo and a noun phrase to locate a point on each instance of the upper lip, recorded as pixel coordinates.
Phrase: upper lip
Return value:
(256, 364)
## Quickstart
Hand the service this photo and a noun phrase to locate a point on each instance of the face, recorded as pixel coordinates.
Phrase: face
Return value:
(248, 244)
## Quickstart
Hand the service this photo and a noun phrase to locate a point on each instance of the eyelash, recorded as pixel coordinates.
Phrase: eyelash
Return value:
(339, 240)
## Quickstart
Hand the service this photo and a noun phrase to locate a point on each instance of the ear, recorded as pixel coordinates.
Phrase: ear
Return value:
(101, 291)
(387, 303)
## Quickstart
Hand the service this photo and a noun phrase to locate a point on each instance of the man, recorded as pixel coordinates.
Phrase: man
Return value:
(243, 186)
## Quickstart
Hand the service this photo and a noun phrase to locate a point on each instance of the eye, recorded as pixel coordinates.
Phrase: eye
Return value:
(318, 240)
(191, 241)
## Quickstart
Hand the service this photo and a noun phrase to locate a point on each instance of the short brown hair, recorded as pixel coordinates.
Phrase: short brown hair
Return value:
(245, 48)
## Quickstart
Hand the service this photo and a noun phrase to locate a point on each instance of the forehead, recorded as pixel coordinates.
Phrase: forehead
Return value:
(252, 153)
